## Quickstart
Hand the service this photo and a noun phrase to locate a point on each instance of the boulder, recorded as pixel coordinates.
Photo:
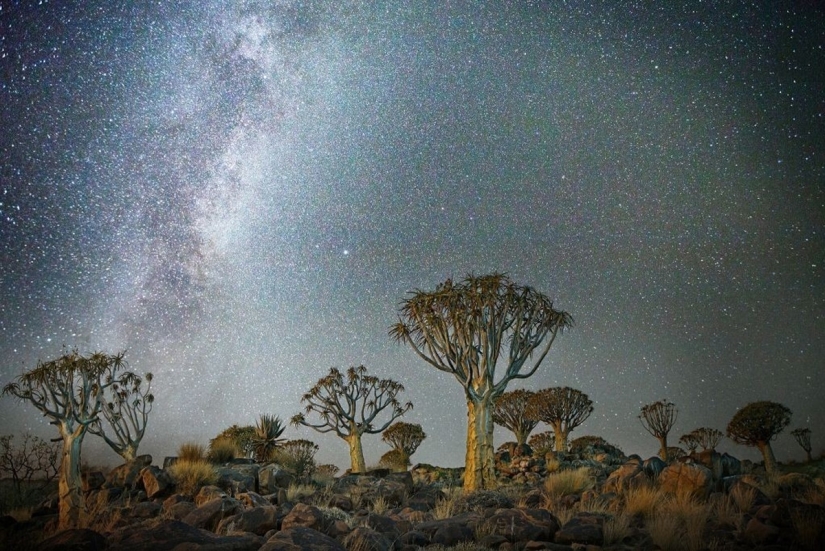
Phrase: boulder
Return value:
(521, 525)
(92, 480)
(74, 540)
(654, 466)
(301, 538)
(211, 513)
(304, 515)
(177, 507)
(208, 493)
(237, 479)
(584, 528)
(156, 482)
(365, 539)
(172, 534)
(450, 531)
(273, 477)
(251, 499)
(686, 478)
(258, 520)
(629, 475)
(127, 475)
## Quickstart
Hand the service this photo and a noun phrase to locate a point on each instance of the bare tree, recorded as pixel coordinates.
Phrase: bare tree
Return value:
(803, 438)
(469, 328)
(348, 406)
(69, 391)
(707, 437)
(126, 412)
(405, 439)
(657, 419)
(562, 408)
(31, 466)
(509, 411)
(756, 425)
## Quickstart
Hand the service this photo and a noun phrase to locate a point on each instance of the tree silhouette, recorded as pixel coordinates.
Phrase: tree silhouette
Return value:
(689, 441)
(756, 425)
(70, 392)
(509, 411)
(707, 437)
(466, 329)
(803, 438)
(657, 419)
(126, 412)
(31, 466)
(563, 408)
(404, 438)
(348, 405)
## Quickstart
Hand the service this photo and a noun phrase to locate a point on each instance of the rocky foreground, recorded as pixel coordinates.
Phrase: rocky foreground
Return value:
(597, 499)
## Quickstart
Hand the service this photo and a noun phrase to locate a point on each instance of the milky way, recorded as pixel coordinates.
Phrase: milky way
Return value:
(240, 194)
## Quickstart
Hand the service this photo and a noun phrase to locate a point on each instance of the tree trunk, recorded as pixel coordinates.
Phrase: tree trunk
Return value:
(663, 447)
(561, 437)
(72, 506)
(808, 454)
(767, 455)
(479, 465)
(129, 452)
(356, 453)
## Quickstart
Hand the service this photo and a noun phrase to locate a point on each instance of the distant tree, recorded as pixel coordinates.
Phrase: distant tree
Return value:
(689, 441)
(266, 439)
(70, 392)
(657, 419)
(542, 443)
(509, 411)
(707, 437)
(243, 437)
(756, 425)
(395, 460)
(298, 456)
(126, 412)
(31, 466)
(584, 444)
(562, 408)
(404, 438)
(803, 438)
(348, 405)
(462, 329)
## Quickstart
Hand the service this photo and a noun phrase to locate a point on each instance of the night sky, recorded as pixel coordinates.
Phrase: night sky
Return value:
(240, 194)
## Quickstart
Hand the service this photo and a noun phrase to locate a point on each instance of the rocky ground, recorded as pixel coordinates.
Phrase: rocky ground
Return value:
(595, 499)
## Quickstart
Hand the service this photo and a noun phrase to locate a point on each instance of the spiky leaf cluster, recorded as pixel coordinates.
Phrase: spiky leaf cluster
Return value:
(758, 423)
(405, 437)
(266, 440)
(542, 442)
(510, 412)
(350, 403)
(659, 417)
(563, 406)
(464, 328)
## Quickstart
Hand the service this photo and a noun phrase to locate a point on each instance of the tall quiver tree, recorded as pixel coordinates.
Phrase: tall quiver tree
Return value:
(562, 408)
(468, 329)
(127, 404)
(509, 411)
(349, 405)
(657, 419)
(69, 391)
(756, 425)
(803, 438)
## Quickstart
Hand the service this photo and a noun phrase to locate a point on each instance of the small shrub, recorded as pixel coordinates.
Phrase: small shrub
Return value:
(191, 452)
(448, 506)
(568, 482)
(665, 531)
(297, 457)
(297, 491)
(743, 496)
(222, 450)
(395, 460)
(380, 505)
(190, 476)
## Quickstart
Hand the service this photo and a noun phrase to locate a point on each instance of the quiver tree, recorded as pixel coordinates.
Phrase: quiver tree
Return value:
(125, 411)
(404, 438)
(70, 392)
(756, 425)
(803, 438)
(509, 411)
(266, 439)
(689, 441)
(657, 419)
(542, 443)
(562, 408)
(469, 330)
(349, 405)
(707, 437)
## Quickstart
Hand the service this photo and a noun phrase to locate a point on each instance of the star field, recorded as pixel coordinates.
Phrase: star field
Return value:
(240, 194)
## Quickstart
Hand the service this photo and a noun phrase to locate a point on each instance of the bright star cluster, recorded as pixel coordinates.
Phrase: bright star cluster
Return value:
(240, 193)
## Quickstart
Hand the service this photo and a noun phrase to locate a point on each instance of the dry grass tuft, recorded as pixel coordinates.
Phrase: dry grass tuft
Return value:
(296, 491)
(380, 505)
(743, 497)
(616, 528)
(664, 531)
(642, 500)
(191, 476)
(570, 482)
(448, 506)
(679, 523)
(191, 452)
(222, 450)
(808, 525)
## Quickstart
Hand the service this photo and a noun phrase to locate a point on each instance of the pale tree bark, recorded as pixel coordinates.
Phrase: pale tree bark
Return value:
(479, 463)
(663, 447)
(767, 455)
(356, 453)
(72, 503)
(561, 436)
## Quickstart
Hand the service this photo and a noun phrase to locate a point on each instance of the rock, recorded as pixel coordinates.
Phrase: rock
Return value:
(450, 531)
(759, 533)
(169, 461)
(92, 480)
(177, 507)
(425, 499)
(711, 460)
(237, 479)
(211, 513)
(365, 539)
(414, 537)
(208, 493)
(630, 475)
(146, 509)
(730, 465)
(686, 478)
(258, 520)
(172, 534)
(127, 475)
(653, 466)
(74, 540)
(301, 538)
(272, 477)
(521, 525)
(156, 482)
(486, 499)
(304, 515)
(584, 528)
(251, 499)
(383, 525)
